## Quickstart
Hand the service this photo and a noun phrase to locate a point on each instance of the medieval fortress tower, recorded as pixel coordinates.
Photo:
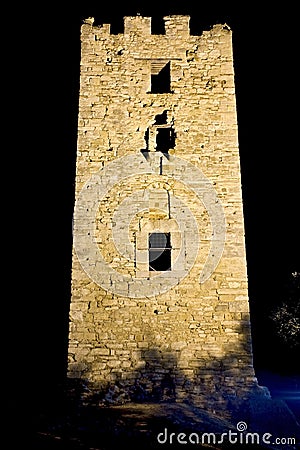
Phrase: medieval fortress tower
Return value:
(159, 307)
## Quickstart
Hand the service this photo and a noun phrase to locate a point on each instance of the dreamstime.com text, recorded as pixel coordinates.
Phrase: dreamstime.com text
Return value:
(240, 436)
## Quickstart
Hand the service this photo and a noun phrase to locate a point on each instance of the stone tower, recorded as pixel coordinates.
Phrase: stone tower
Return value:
(159, 307)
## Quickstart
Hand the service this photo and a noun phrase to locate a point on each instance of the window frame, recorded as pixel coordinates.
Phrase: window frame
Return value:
(163, 262)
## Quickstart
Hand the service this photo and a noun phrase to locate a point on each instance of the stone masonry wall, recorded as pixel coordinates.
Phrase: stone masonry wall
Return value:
(180, 334)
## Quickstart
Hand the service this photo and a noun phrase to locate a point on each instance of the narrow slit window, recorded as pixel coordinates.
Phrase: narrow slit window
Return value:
(159, 251)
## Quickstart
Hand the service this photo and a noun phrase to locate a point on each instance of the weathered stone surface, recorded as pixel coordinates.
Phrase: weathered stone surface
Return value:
(166, 162)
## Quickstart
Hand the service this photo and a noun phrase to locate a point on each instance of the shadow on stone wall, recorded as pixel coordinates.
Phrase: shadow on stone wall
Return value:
(172, 375)
(222, 387)
(136, 406)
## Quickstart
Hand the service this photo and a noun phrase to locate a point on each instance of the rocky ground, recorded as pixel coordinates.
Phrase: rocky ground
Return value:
(60, 421)
(130, 426)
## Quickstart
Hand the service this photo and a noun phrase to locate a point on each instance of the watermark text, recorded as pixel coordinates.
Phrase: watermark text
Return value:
(238, 436)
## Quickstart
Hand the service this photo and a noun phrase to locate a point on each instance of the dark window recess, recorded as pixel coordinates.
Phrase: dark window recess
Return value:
(161, 82)
(159, 251)
(161, 119)
(165, 139)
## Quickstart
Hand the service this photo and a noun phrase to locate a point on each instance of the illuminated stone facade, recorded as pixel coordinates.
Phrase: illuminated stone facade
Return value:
(159, 307)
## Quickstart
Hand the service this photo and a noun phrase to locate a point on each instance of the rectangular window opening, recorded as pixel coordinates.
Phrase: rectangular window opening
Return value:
(160, 78)
(159, 251)
(165, 139)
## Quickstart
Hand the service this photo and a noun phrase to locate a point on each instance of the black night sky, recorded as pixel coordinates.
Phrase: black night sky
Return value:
(265, 45)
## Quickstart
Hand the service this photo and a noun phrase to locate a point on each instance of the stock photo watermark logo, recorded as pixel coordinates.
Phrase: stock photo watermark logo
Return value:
(101, 184)
(240, 436)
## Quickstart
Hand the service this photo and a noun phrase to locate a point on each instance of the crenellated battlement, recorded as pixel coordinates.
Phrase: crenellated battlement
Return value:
(159, 284)
(139, 25)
